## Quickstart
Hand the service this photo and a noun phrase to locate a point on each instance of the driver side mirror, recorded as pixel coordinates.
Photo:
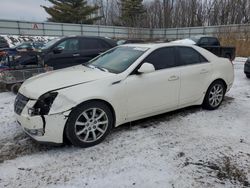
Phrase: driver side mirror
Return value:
(58, 50)
(146, 68)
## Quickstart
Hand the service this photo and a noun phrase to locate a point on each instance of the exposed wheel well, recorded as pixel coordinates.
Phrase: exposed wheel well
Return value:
(223, 81)
(105, 102)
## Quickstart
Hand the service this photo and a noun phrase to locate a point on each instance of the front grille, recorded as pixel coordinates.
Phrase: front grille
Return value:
(20, 103)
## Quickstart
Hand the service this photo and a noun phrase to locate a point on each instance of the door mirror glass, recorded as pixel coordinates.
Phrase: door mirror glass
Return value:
(58, 50)
(146, 68)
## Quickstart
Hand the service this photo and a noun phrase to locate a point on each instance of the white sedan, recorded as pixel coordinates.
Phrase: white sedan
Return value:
(83, 103)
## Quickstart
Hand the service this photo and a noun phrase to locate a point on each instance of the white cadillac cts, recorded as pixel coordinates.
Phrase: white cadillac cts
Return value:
(130, 82)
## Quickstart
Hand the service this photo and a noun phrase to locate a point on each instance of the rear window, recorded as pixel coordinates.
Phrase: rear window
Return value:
(213, 41)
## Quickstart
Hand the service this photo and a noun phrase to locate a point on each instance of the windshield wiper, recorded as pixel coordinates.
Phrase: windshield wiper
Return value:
(102, 69)
(95, 67)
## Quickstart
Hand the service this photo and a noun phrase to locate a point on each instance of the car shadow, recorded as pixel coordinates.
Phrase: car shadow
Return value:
(154, 120)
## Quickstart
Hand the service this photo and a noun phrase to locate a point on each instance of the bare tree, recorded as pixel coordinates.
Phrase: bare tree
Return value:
(179, 13)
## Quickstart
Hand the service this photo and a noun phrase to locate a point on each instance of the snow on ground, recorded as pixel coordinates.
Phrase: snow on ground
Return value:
(186, 148)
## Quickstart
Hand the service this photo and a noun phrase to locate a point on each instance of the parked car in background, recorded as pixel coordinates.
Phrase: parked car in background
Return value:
(69, 51)
(247, 68)
(83, 103)
(26, 46)
(3, 43)
(130, 41)
(211, 44)
(23, 53)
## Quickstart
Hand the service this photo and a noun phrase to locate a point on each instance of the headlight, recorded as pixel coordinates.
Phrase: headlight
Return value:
(43, 104)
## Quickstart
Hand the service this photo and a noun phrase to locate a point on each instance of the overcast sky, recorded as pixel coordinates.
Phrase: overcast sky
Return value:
(29, 10)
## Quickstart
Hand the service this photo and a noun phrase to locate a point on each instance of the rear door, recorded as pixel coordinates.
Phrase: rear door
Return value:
(90, 48)
(195, 74)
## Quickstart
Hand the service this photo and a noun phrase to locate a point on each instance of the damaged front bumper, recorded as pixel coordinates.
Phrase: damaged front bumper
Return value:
(47, 128)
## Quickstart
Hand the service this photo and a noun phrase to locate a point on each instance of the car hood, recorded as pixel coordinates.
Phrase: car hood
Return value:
(36, 86)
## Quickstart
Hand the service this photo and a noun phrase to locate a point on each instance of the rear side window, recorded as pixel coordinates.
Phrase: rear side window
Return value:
(162, 58)
(213, 41)
(87, 44)
(204, 41)
(189, 56)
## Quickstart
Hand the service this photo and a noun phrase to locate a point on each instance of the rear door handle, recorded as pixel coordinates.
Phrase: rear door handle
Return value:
(173, 78)
(76, 55)
(203, 71)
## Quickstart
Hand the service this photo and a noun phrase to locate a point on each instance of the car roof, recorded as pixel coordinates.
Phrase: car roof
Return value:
(157, 45)
(107, 39)
(91, 37)
(153, 46)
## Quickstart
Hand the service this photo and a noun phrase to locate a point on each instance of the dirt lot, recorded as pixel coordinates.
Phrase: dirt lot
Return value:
(187, 148)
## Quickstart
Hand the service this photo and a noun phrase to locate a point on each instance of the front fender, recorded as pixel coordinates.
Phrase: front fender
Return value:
(114, 94)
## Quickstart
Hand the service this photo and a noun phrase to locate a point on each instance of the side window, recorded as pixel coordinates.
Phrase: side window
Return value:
(188, 56)
(69, 45)
(162, 58)
(204, 41)
(213, 41)
(88, 44)
(104, 44)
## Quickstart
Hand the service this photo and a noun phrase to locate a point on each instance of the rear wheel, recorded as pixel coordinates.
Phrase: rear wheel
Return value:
(214, 96)
(89, 124)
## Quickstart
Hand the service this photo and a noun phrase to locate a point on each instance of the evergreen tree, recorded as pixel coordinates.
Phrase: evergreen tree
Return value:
(131, 12)
(71, 11)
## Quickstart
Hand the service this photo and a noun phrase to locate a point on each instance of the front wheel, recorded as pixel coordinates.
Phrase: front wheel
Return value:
(89, 124)
(214, 96)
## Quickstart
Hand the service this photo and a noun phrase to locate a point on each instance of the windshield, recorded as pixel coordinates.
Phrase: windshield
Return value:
(20, 45)
(117, 59)
(50, 43)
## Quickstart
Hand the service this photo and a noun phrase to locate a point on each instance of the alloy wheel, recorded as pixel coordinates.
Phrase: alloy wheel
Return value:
(216, 95)
(91, 125)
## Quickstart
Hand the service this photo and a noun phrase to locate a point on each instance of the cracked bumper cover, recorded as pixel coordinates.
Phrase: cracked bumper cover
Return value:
(48, 128)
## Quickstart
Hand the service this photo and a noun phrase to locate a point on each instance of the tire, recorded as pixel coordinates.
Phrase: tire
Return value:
(85, 130)
(214, 95)
(8, 87)
(248, 75)
(15, 88)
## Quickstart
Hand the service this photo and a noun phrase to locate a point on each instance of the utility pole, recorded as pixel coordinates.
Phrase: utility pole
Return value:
(164, 14)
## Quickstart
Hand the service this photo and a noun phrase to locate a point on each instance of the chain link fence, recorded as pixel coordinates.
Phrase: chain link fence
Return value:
(10, 27)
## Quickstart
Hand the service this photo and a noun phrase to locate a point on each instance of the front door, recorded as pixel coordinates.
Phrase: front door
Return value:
(67, 57)
(157, 91)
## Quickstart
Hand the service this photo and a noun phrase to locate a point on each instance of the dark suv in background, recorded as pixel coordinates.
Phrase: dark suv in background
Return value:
(247, 68)
(69, 51)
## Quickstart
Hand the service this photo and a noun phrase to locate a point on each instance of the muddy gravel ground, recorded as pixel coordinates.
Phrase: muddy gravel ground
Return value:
(191, 147)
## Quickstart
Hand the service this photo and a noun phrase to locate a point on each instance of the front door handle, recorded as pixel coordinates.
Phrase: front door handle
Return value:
(173, 78)
(76, 55)
(204, 71)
